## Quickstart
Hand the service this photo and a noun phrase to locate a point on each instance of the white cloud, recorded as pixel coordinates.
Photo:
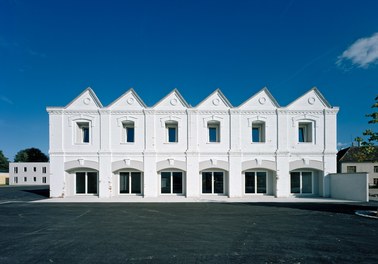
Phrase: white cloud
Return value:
(361, 53)
(6, 99)
(341, 144)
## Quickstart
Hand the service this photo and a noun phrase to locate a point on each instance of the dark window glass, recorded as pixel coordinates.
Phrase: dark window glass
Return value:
(85, 134)
(295, 182)
(207, 182)
(213, 134)
(249, 182)
(136, 183)
(92, 182)
(165, 182)
(306, 182)
(177, 182)
(218, 182)
(80, 182)
(130, 134)
(124, 182)
(301, 134)
(261, 182)
(255, 134)
(172, 134)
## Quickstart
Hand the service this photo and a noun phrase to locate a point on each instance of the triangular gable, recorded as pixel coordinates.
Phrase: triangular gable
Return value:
(216, 100)
(263, 99)
(313, 99)
(173, 100)
(129, 100)
(87, 100)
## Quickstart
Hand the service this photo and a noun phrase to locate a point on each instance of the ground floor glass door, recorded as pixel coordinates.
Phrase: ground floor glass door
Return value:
(255, 182)
(301, 182)
(86, 183)
(130, 183)
(171, 182)
(213, 182)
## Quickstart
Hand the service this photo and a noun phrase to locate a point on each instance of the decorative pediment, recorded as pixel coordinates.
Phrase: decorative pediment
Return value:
(312, 100)
(261, 100)
(87, 100)
(215, 101)
(128, 101)
(172, 101)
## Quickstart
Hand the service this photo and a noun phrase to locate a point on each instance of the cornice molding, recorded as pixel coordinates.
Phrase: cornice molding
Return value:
(126, 112)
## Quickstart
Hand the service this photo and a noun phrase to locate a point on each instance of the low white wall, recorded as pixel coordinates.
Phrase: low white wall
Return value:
(350, 186)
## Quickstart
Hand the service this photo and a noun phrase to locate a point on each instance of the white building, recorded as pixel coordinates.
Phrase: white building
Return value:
(29, 173)
(171, 148)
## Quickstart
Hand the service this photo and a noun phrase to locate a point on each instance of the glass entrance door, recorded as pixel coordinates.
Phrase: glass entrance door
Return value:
(213, 182)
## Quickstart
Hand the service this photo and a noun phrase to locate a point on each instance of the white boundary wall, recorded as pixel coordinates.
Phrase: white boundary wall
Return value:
(350, 186)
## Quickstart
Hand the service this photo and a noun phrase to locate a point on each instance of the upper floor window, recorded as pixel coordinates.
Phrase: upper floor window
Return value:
(258, 131)
(214, 131)
(305, 132)
(128, 131)
(376, 169)
(83, 132)
(34, 169)
(172, 131)
(43, 169)
(351, 169)
(15, 169)
(25, 169)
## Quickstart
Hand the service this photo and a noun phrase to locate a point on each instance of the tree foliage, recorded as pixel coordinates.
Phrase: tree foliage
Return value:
(31, 155)
(4, 162)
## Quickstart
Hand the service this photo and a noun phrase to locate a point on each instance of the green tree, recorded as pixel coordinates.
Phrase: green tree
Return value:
(30, 155)
(4, 162)
(372, 136)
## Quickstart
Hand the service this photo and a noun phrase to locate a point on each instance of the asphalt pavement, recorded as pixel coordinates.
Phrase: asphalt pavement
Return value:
(182, 232)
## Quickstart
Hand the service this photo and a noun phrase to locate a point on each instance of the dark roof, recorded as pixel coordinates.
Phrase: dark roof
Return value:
(358, 154)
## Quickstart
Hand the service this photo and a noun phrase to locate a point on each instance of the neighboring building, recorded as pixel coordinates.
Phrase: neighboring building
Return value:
(29, 173)
(172, 148)
(357, 159)
(4, 177)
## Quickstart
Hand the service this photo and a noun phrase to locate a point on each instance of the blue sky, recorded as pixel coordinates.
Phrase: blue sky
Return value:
(50, 51)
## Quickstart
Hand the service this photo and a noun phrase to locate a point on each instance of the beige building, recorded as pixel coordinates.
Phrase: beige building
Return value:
(356, 159)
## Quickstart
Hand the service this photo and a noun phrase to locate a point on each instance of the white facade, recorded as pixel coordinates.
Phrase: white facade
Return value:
(29, 173)
(171, 148)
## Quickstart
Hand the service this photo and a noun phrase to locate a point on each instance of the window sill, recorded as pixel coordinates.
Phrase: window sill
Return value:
(213, 142)
(127, 143)
(170, 143)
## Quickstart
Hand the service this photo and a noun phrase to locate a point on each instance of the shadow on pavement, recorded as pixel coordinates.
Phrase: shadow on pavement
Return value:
(41, 192)
(321, 207)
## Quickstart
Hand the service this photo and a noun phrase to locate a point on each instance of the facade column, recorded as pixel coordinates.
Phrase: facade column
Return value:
(282, 155)
(235, 159)
(105, 174)
(192, 160)
(151, 183)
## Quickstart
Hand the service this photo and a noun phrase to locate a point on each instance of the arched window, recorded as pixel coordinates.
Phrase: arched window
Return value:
(213, 131)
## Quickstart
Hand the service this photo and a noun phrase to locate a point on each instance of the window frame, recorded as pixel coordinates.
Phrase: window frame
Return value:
(308, 132)
(214, 124)
(351, 169)
(171, 124)
(213, 182)
(86, 183)
(80, 137)
(126, 125)
(130, 182)
(261, 127)
(255, 172)
(375, 169)
(301, 182)
(171, 172)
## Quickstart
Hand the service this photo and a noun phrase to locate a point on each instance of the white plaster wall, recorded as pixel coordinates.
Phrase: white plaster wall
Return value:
(30, 174)
(350, 186)
(367, 167)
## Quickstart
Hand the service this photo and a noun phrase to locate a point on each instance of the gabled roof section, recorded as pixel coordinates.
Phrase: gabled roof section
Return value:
(313, 99)
(263, 99)
(361, 154)
(173, 100)
(128, 100)
(216, 100)
(87, 100)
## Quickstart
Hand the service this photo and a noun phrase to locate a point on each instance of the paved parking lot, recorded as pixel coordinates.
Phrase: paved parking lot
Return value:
(182, 232)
